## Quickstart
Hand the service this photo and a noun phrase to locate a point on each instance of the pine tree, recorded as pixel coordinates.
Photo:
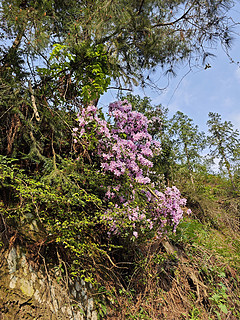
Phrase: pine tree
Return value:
(136, 35)
(187, 140)
(224, 143)
(57, 55)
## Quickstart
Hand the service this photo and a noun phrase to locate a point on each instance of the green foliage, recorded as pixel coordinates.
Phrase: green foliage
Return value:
(219, 298)
(202, 235)
(59, 61)
(86, 68)
(194, 314)
(224, 143)
(66, 214)
(188, 141)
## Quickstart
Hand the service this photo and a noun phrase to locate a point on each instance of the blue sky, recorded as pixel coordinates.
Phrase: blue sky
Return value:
(216, 89)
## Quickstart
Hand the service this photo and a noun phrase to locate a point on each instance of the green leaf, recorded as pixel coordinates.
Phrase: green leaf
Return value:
(216, 297)
(223, 308)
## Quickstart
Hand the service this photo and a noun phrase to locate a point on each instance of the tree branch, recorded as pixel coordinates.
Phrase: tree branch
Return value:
(119, 88)
(35, 110)
(15, 45)
(173, 22)
(140, 8)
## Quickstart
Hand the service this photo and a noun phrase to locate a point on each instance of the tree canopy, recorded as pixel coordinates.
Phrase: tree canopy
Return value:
(59, 55)
(135, 36)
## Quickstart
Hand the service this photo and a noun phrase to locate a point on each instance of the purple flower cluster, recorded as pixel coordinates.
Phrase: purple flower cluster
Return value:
(160, 212)
(167, 207)
(128, 218)
(125, 147)
(89, 120)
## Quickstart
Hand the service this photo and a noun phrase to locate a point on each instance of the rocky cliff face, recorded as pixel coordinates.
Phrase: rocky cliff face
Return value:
(30, 293)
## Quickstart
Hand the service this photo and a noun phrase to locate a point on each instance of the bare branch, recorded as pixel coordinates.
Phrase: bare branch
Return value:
(119, 88)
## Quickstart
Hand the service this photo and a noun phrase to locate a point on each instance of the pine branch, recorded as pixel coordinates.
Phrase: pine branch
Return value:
(172, 22)
(140, 8)
(14, 46)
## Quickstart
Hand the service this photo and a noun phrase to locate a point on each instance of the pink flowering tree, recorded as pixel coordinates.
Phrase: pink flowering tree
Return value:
(124, 148)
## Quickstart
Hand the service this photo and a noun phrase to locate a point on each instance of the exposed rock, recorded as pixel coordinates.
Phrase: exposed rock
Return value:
(26, 293)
